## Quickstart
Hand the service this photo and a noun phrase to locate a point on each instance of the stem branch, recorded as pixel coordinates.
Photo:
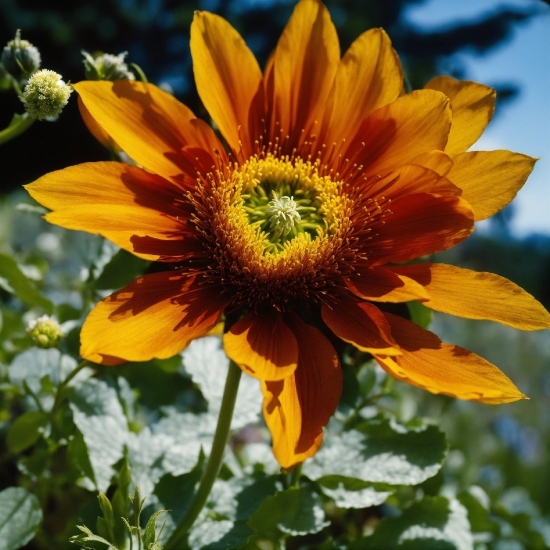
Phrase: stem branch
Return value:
(214, 460)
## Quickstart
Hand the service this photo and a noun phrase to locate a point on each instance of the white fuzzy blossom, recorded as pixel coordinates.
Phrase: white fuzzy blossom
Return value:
(45, 94)
(45, 332)
(284, 214)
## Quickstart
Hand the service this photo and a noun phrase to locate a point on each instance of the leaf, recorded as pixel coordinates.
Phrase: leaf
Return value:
(434, 523)
(352, 493)
(98, 415)
(293, 512)
(26, 430)
(478, 515)
(207, 364)
(17, 283)
(20, 516)
(420, 314)
(150, 534)
(121, 269)
(88, 536)
(381, 451)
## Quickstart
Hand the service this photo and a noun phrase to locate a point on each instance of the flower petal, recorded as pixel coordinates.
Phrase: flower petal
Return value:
(227, 76)
(397, 133)
(369, 76)
(382, 285)
(297, 408)
(438, 161)
(95, 129)
(443, 368)
(360, 324)
(417, 225)
(304, 64)
(155, 316)
(473, 106)
(118, 201)
(475, 295)
(490, 179)
(263, 346)
(150, 125)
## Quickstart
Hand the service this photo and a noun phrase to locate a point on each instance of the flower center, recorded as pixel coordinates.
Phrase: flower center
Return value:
(283, 199)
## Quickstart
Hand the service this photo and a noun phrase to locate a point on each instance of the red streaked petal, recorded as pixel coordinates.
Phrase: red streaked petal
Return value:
(263, 346)
(297, 408)
(443, 368)
(155, 316)
(477, 295)
(360, 324)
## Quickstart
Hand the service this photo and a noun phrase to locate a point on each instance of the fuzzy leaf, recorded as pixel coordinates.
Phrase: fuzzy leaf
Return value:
(15, 282)
(434, 523)
(381, 451)
(293, 512)
(26, 430)
(352, 493)
(20, 516)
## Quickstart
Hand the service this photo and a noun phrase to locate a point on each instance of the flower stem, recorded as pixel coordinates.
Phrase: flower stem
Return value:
(63, 384)
(18, 124)
(214, 460)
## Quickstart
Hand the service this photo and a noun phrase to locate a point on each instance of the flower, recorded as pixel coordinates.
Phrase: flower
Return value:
(300, 232)
(20, 57)
(45, 332)
(45, 94)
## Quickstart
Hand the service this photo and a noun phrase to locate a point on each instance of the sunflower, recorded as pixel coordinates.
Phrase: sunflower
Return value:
(299, 228)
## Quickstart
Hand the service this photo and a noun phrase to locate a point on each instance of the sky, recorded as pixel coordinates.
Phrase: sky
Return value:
(524, 124)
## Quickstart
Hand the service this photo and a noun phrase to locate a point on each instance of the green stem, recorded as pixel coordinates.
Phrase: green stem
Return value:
(214, 460)
(64, 383)
(18, 124)
(295, 476)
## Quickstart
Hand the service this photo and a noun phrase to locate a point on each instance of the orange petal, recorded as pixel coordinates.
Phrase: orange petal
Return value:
(369, 76)
(443, 368)
(473, 106)
(407, 179)
(304, 65)
(227, 76)
(382, 285)
(397, 133)
(118, 201)
(475, 295)
(360, 324)
(297, 408)
(438, 161)
(150, 125)
(417, 225)
(95, 129)
(155, 316)
(263, 346)
(490, 179)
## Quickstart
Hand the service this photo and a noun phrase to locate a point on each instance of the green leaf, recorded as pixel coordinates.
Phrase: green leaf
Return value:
(88, 536)
(475, 501)
(17, 283)
(207, 364)
(26, 430)
(352, 493)
(292, 512)
(121, 269)
(420, 314)
(106, 524)
(381, 451)
(150, 536)
(434, 523)
(20, 516)
(98, 415)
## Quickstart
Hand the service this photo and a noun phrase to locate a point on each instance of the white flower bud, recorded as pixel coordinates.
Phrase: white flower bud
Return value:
(45, 94)
(107, 67)
(20, 57)
(45, 332)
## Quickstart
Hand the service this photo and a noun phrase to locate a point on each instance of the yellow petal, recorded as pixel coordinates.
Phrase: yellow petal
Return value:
(297, 408)
(304, 65)
(473, 106)
(442, 368)
(155, 316)
(118, 201)
(490, 179)
(95, 129)
(477, 295)
(227, 76)
(150, 125)
(369, 76)
(397, 133)
(263, 346)
(438, 161)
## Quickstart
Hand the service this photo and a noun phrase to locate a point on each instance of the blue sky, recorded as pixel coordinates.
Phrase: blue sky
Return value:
(524, 124)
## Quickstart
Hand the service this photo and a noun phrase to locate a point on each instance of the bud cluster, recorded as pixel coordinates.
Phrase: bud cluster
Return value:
(20, 58)
(45, 94)
(45, 332)
(106, 67)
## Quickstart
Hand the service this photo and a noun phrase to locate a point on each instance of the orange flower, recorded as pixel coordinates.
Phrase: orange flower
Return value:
(300, 230)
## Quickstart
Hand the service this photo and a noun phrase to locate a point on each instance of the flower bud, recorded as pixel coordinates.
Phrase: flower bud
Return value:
(45, 94)
(45, 332)
(20, 57)
(107, 67)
